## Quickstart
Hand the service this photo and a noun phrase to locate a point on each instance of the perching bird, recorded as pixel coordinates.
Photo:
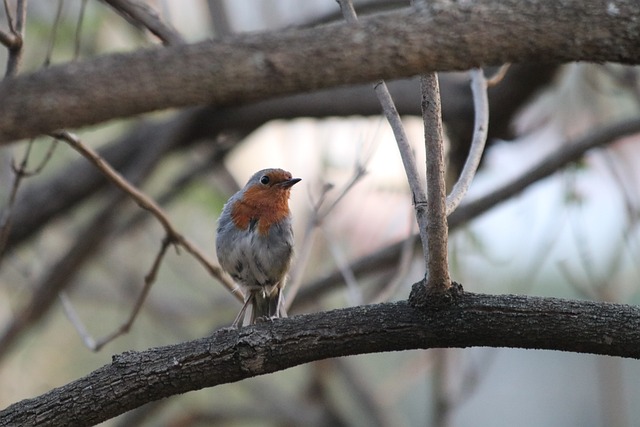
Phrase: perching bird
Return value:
(255, 241)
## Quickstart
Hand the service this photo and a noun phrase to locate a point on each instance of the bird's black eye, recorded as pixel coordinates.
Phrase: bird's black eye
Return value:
(264, 180)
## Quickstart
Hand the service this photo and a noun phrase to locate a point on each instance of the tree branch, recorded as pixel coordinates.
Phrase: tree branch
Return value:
(15, 39)
(58, 194)
(480, 129)
(143, 15)
(569, 152)
(443, 36)
(148, 204)
(437, 279)
(229, 355)
(390, 111)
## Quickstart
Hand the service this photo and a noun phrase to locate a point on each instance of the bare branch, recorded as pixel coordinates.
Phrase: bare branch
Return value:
(569, 152)
(481, 127)
(438, 280)
(15, 40)
(19, 172)
(318, 214)
(77, 44)
(419, 196)
(216, 72)
(54, 32)
(60, 274)
(499, 75)
(230, 355)
(148, 204)
(142, 14)
(90, 241)
(149, 279)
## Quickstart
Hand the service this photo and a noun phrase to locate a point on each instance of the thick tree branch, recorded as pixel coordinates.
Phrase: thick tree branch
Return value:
(136, 378)
(444, 36)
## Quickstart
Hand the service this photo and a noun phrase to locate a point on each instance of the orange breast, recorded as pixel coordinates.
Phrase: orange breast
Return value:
(266, 206)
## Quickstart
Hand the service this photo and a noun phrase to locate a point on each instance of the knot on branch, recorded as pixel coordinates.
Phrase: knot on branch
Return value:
(431, 298)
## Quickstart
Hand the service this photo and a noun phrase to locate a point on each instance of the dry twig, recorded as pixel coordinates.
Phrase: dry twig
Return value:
(318, 213)
(481, 126)
(143, 15)
(568, 152)
(406, 152)
(19, 173)
(148, 204)
(14, 40)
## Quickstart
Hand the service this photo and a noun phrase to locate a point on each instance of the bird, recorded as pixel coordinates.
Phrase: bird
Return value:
(254, 242)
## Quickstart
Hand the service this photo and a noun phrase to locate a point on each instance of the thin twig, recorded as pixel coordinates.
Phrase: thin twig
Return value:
(67, 266)
(148, 204)
(61, 273)
(416, 185)
(438, 279)
(7, 11)
(569, 151)
(54, 32)
(318, 213)
(408, 159)
(74, 318)
(142, 14)
(16, 38)
(149, 279)
(480, 128)
(304, 252)
(177, 185)
(499, 75)
(77, 44)
(19, 173)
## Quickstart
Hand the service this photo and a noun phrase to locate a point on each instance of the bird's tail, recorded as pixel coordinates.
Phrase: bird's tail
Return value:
(267, 305)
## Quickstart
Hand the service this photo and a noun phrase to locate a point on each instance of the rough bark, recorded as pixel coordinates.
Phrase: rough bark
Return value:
(457, 320)
(444, 36)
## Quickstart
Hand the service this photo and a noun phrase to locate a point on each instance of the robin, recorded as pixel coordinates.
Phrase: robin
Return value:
(255, 242)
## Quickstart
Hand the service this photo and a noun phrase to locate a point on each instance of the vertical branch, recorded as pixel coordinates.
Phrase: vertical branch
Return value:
(408, 159)
(16, 39)
(438, 279)
(19, 173)
(54, 32)
(77, 43)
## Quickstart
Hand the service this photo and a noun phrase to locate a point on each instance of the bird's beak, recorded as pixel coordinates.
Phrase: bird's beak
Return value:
(290, 182)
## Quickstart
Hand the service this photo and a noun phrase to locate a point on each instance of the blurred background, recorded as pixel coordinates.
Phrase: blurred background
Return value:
(572, 235)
